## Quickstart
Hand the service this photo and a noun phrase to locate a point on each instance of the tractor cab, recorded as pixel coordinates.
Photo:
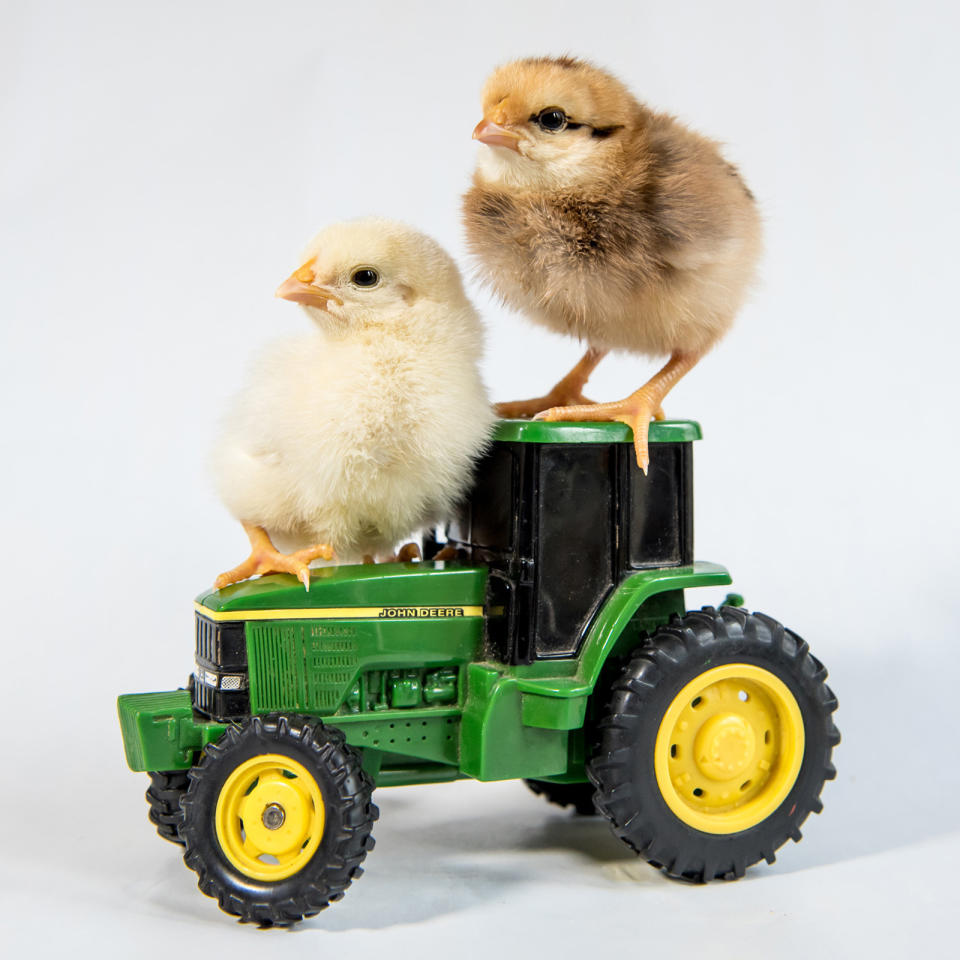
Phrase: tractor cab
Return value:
(560, 514)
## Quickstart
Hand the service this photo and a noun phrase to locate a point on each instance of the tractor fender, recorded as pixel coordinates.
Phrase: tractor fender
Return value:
(628, 597)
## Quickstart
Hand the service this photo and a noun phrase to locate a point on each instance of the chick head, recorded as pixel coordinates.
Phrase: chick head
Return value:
(370, 272)
(552, 122)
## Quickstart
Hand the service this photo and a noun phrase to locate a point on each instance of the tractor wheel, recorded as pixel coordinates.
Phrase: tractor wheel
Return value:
(577, 795)
(164, 793)
(277, 819)
(716, 743)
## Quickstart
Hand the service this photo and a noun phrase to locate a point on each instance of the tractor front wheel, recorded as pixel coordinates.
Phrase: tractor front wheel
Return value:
(277, 819)
(166, 789)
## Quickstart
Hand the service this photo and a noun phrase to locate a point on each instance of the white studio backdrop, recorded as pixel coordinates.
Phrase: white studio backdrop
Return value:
(161, 166)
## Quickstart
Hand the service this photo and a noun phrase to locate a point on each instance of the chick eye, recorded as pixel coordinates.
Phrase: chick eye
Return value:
(365, 277)
(553, 119)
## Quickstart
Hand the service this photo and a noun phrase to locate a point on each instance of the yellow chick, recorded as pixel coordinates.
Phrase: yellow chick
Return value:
(600, 218)
(348, 439)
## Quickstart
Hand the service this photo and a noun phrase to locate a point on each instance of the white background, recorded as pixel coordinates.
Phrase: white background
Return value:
(161, 166)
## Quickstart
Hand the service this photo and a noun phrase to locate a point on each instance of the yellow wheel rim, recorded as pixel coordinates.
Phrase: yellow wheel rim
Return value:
(729, 748)
(270, 817)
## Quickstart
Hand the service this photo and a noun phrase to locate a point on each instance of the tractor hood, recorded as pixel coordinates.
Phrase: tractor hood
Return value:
(393, 586)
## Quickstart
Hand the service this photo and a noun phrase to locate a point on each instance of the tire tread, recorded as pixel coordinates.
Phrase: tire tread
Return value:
(679, 646)
(351, 844)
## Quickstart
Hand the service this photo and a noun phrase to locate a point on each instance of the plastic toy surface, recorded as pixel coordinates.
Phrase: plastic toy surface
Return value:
(556, 648)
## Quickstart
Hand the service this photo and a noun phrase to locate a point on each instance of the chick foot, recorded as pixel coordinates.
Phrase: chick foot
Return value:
(409, 553)
(637, 410)
(265, 558)
(568, 392)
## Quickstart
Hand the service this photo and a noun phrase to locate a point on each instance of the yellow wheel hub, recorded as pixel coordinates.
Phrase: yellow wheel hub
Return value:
(270, 817)
(724, 746)
(729, 748)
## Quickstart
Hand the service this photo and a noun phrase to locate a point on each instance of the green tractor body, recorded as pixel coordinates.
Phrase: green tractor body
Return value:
(498, 664)
(393, 655)
(401, 657)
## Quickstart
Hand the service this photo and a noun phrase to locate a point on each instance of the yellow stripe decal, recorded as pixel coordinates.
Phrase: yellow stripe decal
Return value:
(344, 613)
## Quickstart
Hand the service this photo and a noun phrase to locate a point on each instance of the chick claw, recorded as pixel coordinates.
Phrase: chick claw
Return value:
(265, 558)
(409, 552)
(636, 411)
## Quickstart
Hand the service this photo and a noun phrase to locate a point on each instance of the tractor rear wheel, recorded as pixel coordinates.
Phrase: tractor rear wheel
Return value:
(577, 795)
(715, 744)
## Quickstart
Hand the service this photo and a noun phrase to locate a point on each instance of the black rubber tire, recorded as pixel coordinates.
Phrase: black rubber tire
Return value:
(164, 793)
(577, 795)
(622, 765)
(349, 817)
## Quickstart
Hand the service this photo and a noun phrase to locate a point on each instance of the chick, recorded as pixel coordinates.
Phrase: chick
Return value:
(600, 218)
(350, 438)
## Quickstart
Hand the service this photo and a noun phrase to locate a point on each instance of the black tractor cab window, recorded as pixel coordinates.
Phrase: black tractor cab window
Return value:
(560, 525)
(574, 543)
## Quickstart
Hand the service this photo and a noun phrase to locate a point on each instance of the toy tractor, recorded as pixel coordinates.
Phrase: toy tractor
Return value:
(556, 647)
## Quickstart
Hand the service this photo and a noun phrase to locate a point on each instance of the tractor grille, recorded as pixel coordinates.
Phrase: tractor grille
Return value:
(203, 698)
(220, 680)
(206, 639)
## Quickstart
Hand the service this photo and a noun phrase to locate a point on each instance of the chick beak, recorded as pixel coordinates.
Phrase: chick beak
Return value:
(299, 287)
(492, 134)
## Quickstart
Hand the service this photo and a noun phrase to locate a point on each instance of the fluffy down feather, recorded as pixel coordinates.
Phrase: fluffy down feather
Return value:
(623, 228)
(367, 429)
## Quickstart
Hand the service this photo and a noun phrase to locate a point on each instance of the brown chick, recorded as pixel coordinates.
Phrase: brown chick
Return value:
(600, 218)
